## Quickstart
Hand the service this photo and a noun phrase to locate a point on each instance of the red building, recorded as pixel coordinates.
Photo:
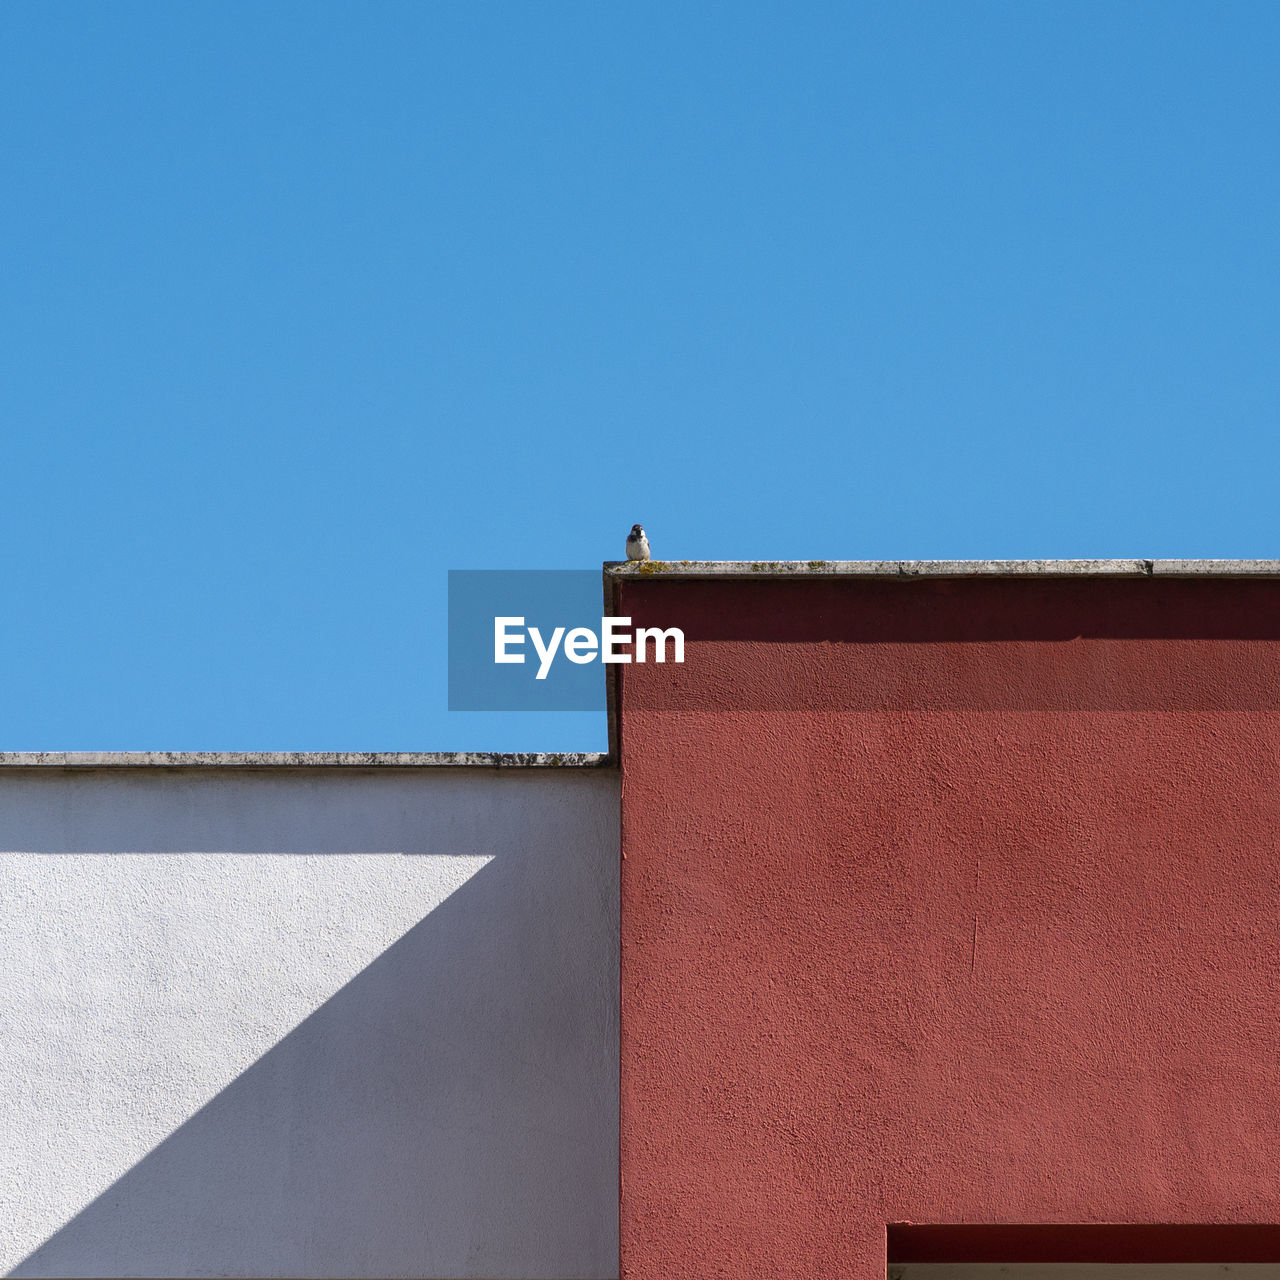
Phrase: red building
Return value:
(950, 898)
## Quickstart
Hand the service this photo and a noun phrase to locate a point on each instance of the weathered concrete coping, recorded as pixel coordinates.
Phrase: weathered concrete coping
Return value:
(249, 760)
(943, 568)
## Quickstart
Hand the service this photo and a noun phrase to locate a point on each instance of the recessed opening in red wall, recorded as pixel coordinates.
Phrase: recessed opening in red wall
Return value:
(1115, 1251)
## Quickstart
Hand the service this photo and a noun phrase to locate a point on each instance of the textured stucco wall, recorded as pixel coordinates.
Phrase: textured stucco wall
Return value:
(309, 1024)
(946, 902)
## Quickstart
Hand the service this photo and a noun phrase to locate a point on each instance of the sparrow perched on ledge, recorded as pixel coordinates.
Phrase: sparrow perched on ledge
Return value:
(637, 544)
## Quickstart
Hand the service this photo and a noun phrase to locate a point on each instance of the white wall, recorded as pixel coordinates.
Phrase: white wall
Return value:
(309, 1024)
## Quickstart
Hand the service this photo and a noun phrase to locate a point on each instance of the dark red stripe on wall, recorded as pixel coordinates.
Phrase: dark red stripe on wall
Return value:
(1088, 645)
(1163, 1242)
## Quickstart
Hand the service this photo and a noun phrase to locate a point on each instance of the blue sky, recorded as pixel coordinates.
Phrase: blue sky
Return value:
(305, 304)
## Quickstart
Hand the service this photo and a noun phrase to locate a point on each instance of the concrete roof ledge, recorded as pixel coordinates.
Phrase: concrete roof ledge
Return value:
(249, 760)
(1221, 568)
(906, 569)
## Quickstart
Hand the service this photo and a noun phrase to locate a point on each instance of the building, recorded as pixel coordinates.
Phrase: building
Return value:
(308, 1016)
(948, 935)
(951, 918)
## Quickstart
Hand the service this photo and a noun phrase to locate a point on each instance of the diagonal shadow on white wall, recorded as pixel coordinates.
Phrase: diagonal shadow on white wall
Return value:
(450, 1112)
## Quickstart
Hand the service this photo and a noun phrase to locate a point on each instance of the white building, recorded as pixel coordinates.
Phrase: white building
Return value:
(304, 1016)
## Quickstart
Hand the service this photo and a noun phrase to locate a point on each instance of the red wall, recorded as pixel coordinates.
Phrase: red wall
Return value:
(946, 902)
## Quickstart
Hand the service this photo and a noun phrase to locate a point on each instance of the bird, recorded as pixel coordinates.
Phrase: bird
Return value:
(637, 544)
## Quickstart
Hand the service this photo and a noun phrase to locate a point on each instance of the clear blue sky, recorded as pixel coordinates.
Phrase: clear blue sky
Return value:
(305, 304)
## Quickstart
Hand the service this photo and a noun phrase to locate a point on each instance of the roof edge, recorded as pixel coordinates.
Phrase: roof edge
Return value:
(624, 569)
(244, 761)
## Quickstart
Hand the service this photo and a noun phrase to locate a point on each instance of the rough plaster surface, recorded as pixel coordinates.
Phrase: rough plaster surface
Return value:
(301, 1025)
(946, 903)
